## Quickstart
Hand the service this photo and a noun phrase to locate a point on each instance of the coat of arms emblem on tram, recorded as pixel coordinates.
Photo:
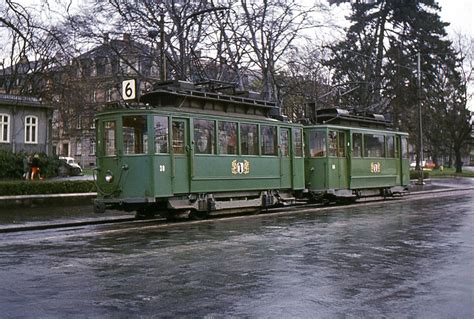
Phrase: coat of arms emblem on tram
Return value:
(240, 167)
(375, 167)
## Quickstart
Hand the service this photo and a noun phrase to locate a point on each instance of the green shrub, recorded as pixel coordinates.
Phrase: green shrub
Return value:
(45, 187)
(12, 165)
(416, 174)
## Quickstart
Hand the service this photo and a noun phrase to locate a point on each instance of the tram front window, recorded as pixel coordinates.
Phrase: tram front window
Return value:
(135, 135)
(160, 127)
(109, 138)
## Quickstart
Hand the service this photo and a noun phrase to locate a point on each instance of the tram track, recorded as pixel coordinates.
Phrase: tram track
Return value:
(131, 222)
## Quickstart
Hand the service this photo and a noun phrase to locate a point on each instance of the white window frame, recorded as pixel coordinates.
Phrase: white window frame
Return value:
(79, 148)
(3, 138)
(109, 95)
(92, 147)
(30, 137)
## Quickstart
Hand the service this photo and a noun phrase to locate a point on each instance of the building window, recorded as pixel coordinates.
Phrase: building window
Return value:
(4, 128)
(78, 148)
(92, 147)
(31, 130)
(108, 95)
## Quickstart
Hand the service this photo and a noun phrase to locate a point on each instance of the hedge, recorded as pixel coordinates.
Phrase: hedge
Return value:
(45, 187)
(416, 174)
(11, 165)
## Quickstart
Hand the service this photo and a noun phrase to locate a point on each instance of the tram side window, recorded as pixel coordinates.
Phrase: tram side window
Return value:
(178, 137)
(284, 142)
(135, 135)
(298, 142)
(160, 127)
(249, 139)
(374, 145)
(390, 146)
(404, 147)
(204, 136)
(317, 143)
(357, 144)
(336, 142)
(227, 137)
(397, 147)
(109, 138)
(268, 138)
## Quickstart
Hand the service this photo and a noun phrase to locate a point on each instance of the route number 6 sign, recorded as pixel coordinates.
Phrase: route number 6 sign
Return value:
(129, 89)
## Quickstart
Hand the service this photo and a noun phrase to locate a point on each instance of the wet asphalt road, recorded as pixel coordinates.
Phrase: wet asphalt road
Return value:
(410, 259)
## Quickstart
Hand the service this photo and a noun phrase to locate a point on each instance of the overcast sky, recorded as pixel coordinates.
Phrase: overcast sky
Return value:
(460, 14)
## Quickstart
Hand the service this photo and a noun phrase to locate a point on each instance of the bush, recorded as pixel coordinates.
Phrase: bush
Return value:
(11, 165)
(45, 187)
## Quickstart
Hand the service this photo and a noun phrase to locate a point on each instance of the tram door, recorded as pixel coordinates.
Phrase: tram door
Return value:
(338, 163)
(285, 158)
(181, 154)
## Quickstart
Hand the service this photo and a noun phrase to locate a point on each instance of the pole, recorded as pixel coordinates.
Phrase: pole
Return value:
(420, 123)
(162, 48)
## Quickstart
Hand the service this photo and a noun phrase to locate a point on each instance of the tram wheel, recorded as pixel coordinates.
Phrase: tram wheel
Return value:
(144, 213)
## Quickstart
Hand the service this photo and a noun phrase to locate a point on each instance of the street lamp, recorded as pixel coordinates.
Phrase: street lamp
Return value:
(153, 33)
(420, 124)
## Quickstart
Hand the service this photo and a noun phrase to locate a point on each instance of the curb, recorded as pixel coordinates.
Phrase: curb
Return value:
(44, 199)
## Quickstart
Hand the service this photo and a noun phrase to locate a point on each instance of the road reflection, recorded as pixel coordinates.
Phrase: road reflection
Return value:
(396, 260)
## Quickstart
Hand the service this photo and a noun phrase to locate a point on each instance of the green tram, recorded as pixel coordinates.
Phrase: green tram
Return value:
(350, 156)
(183, 150)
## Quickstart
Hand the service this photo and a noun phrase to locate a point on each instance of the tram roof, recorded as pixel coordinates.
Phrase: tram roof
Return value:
(187, 94)
(338, 116)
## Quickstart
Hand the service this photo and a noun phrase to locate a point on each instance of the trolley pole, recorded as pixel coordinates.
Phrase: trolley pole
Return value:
(420, 123)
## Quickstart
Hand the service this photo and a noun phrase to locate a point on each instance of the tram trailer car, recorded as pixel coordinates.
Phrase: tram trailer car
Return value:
(349, 156)
(185, 151)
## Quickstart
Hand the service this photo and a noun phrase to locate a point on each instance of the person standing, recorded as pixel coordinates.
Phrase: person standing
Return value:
(35, 170)
(27, 166)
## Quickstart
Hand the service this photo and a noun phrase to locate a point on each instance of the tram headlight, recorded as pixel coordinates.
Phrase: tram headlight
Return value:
(109, 177)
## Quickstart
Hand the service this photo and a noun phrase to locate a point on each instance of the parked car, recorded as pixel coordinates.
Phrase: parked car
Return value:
(427, 165)
(69, 167)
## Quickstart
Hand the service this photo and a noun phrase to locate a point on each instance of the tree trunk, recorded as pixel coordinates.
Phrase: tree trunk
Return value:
(459, 163)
